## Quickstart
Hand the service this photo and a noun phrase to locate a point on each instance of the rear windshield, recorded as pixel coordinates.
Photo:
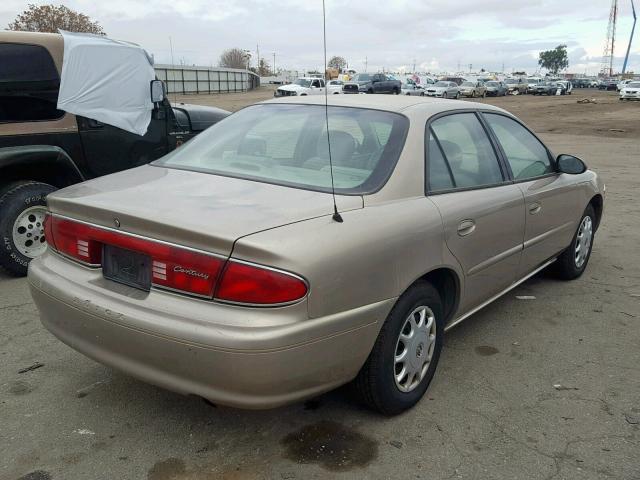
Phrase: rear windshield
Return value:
(288, 145)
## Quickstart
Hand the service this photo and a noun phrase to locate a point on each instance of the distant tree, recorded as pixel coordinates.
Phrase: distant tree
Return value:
(520, 73)
(337, 62)
(234, 58)
(264, 69)
(50, 18)
(554, 60)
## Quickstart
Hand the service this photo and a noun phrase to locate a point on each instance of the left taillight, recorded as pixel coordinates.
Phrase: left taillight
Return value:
(173, 267)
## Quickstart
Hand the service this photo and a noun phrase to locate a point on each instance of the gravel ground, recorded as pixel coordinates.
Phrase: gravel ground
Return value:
(526, 389)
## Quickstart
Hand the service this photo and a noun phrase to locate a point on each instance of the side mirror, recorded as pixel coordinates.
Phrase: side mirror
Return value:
(157, 91)
(570, 164)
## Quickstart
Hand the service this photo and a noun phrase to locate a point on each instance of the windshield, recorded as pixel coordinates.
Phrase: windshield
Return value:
(287, 145)
(468, 84)
(493, 84)
(362, 77)
(302, 82)
(633, 85)
(511, 81)
(441, 84)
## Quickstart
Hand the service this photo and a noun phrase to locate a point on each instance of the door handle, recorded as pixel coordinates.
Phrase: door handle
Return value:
(534, 208)
(466, 227)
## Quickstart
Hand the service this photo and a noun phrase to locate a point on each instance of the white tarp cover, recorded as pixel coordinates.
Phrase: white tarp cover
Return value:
(106, 80)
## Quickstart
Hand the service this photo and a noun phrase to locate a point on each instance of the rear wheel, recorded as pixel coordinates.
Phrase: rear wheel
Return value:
(22, 211)
(404, 358)
(444, 95)
(573, 261)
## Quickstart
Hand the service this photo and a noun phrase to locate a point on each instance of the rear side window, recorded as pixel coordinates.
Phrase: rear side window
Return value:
(467, 150)
(527, 157)
(29, 84)
(438, 173)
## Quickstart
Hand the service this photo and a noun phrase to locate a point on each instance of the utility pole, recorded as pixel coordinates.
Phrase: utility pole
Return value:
(414, 65)
(470, 67)
(365, 64)
(606, 68)
(258, 58)
(274, 63)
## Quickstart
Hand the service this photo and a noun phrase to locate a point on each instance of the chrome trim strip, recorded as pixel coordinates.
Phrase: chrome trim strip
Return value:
(535, 240)
(495, 297)
(493, 260)
(142, 237)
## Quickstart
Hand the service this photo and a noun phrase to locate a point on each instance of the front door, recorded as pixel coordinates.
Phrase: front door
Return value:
(110, 149)
(482, 213)
(551, 198)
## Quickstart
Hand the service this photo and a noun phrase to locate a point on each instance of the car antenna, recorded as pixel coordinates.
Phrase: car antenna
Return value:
(336, 215)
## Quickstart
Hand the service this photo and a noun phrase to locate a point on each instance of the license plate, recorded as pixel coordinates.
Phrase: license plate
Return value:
(126, 266)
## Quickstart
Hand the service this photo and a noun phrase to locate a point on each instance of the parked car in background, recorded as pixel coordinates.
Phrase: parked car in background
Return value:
(473, 89)
(334, 86)
(443, 89)
(581, 83)
(631, 91)
(622, 83)
(457, 80)
(531, 84)
(303, 86)
(548, 88)
(43, 148)
(496, 88)
(374, 83)
(567, 87)
(608, 84)
(516, 86)
(164, 272)
(412, 89)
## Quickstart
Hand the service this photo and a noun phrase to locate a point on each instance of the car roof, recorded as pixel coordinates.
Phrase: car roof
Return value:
(390, 103)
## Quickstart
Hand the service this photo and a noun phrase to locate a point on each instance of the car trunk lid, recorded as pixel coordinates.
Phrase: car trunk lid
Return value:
(198, 210)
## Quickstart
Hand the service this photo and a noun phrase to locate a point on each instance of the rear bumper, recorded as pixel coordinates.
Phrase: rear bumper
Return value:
(241, 357)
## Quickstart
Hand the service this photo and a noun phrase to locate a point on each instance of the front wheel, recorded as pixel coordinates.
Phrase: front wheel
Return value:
(444, 95)
(22, 210)
(458, 96)
(573, 261)
(403, 360)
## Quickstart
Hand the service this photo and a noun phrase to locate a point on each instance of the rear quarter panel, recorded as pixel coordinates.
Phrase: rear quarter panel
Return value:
(374, 255)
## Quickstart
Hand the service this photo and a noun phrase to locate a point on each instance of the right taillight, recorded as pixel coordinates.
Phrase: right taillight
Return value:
(257, 285)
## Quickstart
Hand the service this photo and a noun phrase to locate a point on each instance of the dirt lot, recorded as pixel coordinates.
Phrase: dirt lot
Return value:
(545, 388)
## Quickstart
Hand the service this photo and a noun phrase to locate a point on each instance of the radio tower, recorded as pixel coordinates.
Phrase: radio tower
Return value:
(609, 48)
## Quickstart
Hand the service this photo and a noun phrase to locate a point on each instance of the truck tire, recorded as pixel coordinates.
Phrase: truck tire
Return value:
(22, 211)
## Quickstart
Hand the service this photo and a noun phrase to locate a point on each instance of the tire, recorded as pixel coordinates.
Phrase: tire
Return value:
(370, 91)
(396, 91)
(376, 383)
(19, 200)
(444, 95)
(569, 265)
(484, 94)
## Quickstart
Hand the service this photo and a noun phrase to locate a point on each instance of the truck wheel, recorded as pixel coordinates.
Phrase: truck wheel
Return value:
(396, 91)
(403, 360)
(22, 211)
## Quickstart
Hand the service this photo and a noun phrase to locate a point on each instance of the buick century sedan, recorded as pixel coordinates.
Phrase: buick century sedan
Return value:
(225, 270)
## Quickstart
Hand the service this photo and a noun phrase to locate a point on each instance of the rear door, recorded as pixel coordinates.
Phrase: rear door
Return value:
(109, 149)
(482, 211)
(552, 199)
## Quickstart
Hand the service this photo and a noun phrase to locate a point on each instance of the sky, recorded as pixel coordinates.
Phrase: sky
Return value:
(435, 35)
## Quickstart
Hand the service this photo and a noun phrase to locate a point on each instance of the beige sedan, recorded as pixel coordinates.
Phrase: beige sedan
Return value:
(225, 269)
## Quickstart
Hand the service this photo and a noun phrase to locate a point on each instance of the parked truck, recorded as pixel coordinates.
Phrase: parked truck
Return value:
(44, 147)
